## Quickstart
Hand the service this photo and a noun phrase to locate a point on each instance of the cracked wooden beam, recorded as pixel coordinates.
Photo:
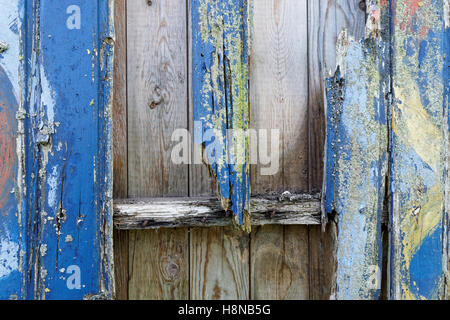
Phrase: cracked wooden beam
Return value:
(129, 214)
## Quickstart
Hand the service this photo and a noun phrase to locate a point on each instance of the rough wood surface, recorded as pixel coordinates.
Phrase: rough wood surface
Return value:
(55, 133)
(195, 212)
(325, 20)
(219, 264)
(279, 263)
(157, 105)
(159, 265)
(220, 99)
(279, 91)
(157, 96)
(357, 163)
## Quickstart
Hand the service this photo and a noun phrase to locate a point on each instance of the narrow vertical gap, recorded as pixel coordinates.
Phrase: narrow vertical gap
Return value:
(188, 95)
(308, 86)
(126, 155)
(250, 266)
(389, 133)
(126, 98)
(188, 114)
(310, 295)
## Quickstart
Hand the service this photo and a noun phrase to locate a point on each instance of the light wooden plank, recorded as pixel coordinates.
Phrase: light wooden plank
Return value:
(157, 95)
(279, 90)
(420, 81)
(279, 100)
(279, 263)
(120, 144)
(219, 264)
(159, 265)
(157, 105)
(194, 212)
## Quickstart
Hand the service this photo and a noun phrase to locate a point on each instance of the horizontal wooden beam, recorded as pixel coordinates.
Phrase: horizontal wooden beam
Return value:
(154, 213)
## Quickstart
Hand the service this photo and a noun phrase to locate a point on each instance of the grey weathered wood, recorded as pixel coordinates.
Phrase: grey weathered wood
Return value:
(279, 100)
(157, 96)
(159, 265)
(279, 263)
(157, 105)
(279, 90)
(203, 212)
(219, 264)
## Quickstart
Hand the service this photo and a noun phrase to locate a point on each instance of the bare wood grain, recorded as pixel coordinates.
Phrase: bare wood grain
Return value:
(159, 265)
(120, 144)
(279, 90)
(157, 98)
(279, 263)
(201, 212)
(219, 264)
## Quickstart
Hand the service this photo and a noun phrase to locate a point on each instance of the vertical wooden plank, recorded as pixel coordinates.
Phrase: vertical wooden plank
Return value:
(219, 264)
(356, 163)
(219, 257)
(120, 134)
(159, 265)
(446, 134)
(278, 98)
(63, 84)
(279, 263)
(157, 98)
(279, 91)
(418, 149)
(325, 20)
(157, 95)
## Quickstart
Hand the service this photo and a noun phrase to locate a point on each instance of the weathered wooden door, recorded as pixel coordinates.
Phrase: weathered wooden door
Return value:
(55, 149)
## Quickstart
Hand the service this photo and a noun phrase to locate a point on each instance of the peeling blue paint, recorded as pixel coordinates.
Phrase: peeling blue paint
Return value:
(65, 151)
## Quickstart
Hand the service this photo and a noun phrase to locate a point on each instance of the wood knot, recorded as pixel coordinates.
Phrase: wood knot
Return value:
(149, 2)
(172, 269)
(157, 98)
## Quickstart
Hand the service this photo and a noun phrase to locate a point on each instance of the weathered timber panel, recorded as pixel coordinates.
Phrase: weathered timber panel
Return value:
(285, 77)
(157, 105)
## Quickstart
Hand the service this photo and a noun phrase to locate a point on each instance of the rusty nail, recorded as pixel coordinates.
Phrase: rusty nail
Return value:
(149, 2)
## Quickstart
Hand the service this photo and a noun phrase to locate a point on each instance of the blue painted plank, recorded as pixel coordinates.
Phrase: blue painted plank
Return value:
(58, 223)
(220, 98)
(418, 130)
(356, 163)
